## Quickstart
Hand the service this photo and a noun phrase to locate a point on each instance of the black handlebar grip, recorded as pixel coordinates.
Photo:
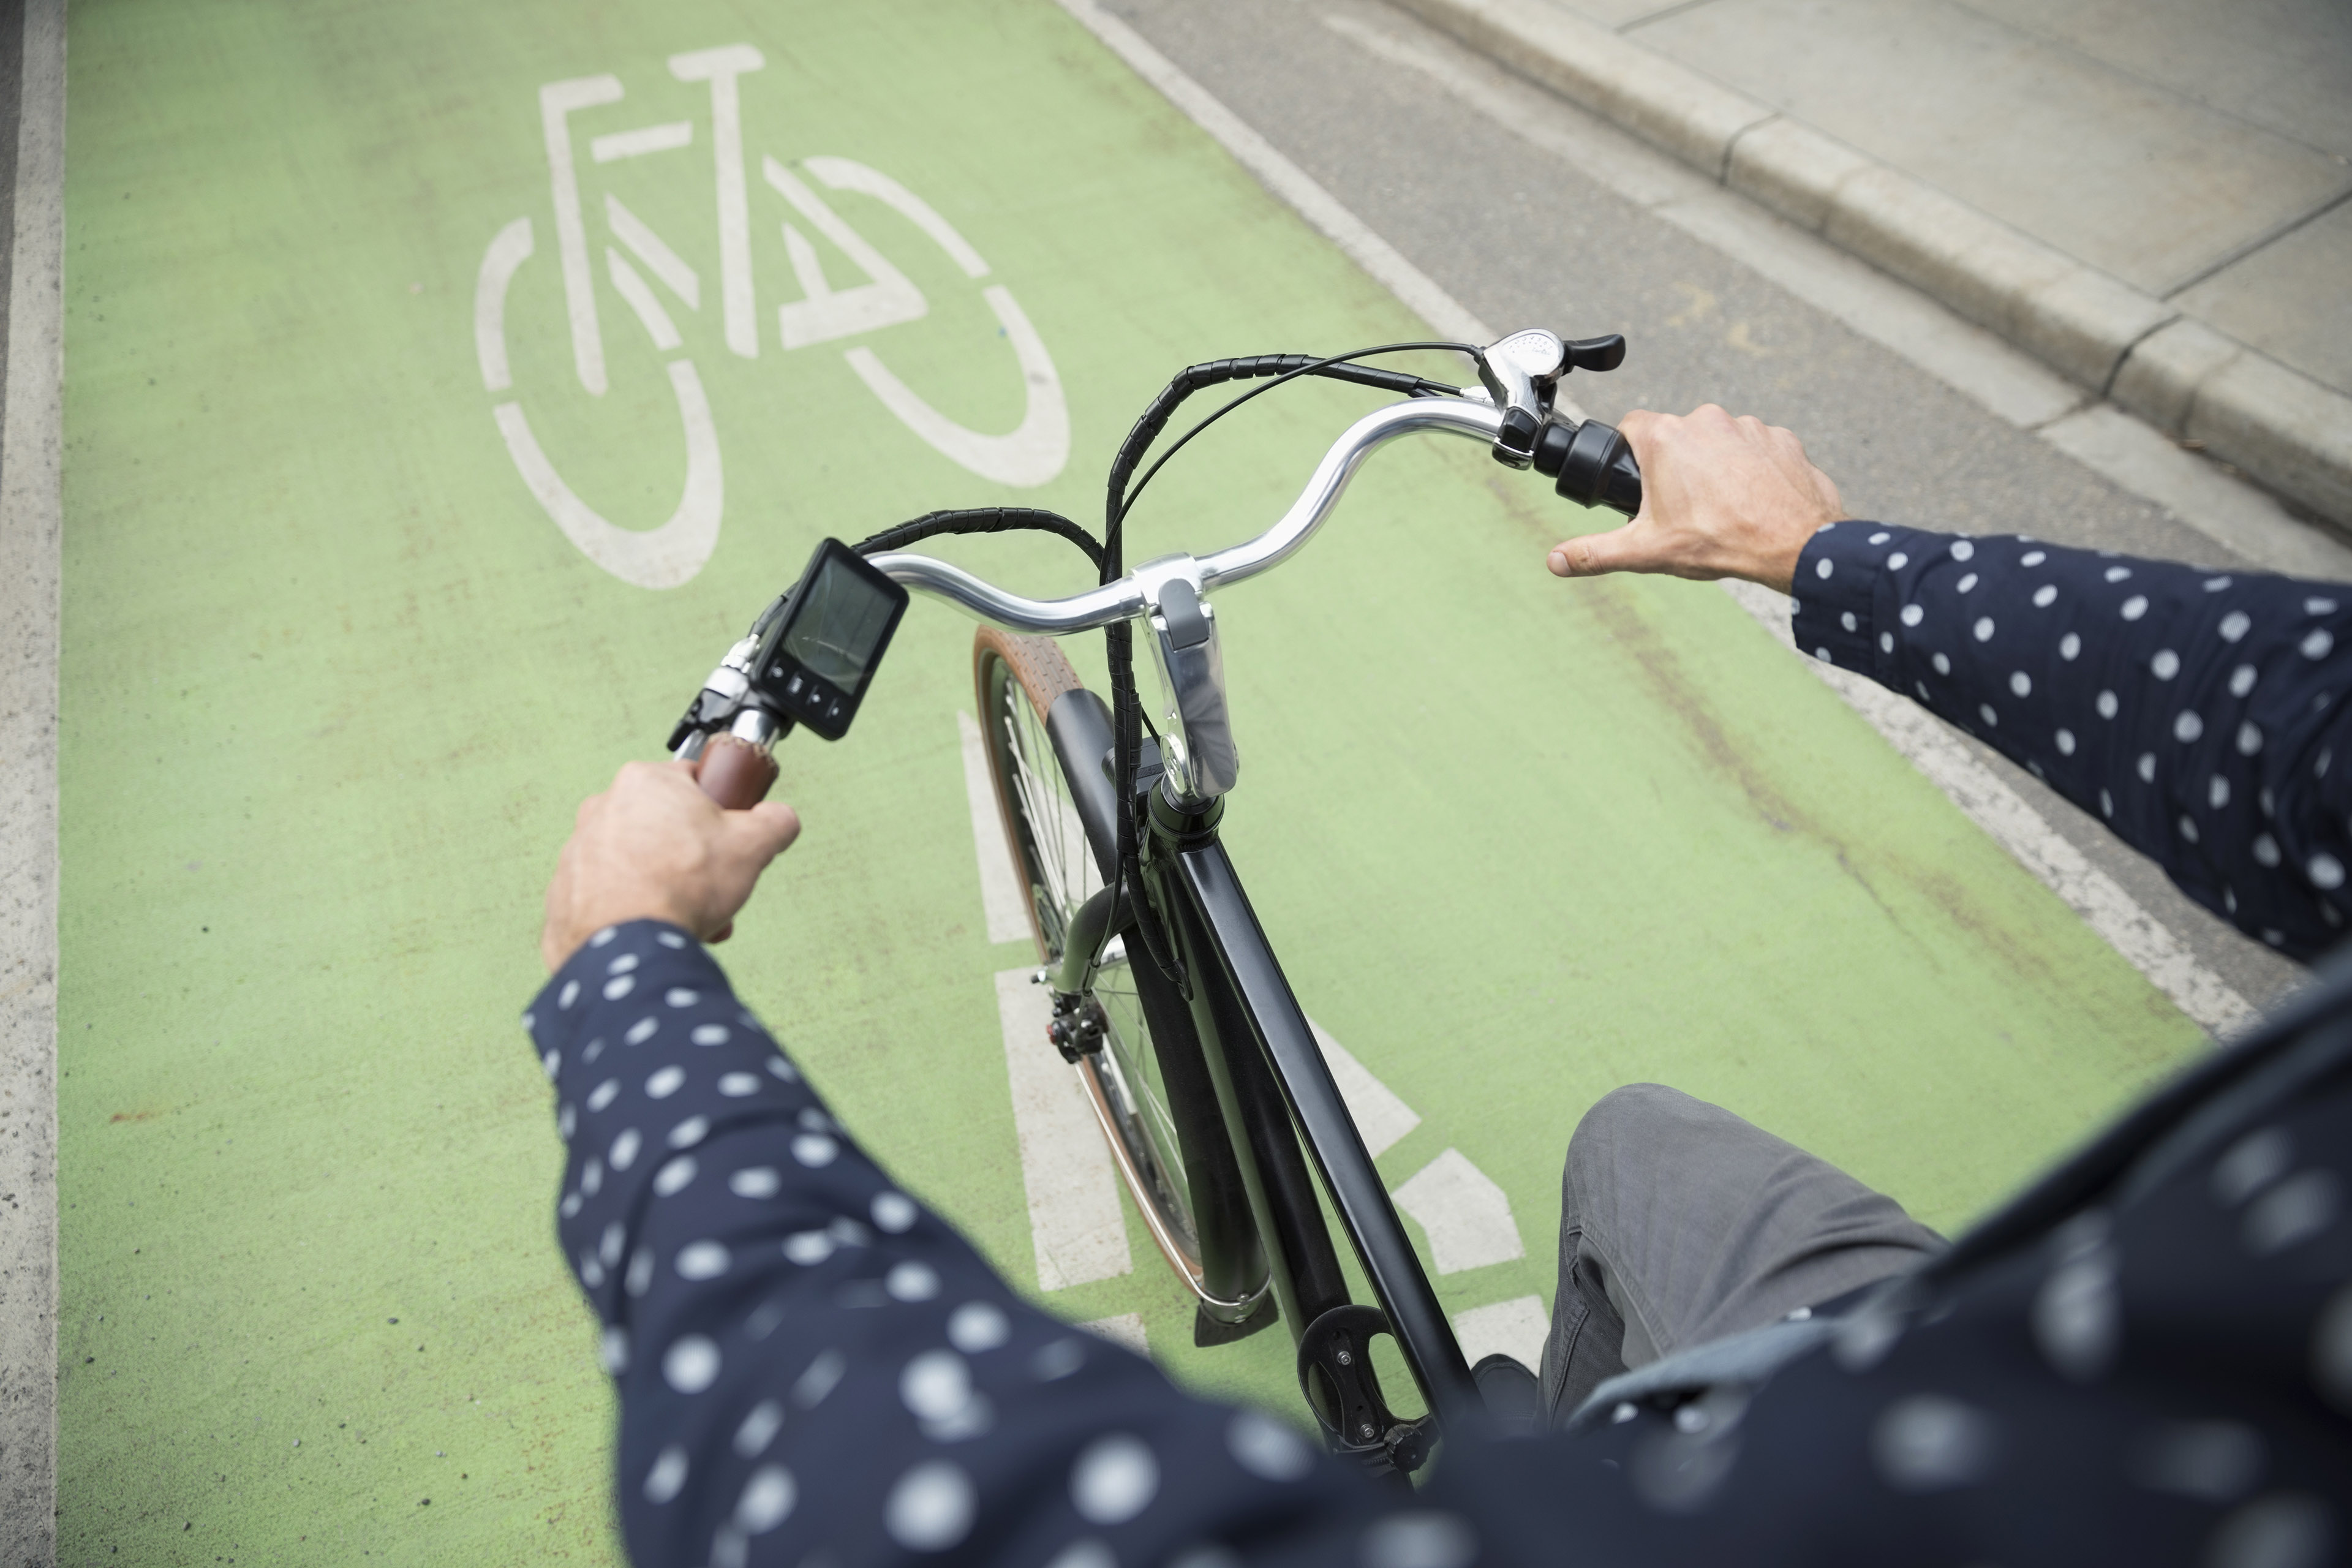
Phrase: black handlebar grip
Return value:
(1593, 465)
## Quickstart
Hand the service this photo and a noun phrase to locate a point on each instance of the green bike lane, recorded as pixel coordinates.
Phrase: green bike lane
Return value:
(335, 676)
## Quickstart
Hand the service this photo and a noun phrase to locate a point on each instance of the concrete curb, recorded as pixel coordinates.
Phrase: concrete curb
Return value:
(31, 530)
(2174, 371)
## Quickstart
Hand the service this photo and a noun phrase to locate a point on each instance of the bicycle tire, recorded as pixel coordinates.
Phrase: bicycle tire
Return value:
(1148, 1084)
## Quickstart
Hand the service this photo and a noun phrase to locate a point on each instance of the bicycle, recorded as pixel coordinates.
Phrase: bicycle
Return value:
(1203, 1071)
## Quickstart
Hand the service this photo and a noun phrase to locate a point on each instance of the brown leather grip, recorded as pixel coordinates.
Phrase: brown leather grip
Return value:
(735, 773)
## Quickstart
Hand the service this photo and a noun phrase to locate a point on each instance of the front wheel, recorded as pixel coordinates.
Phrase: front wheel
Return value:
(1148, 1084)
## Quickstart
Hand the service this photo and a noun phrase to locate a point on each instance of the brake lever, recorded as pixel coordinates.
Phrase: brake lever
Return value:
(1521, 374)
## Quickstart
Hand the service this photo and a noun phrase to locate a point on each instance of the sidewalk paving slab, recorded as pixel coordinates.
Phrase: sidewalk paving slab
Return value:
(1925, 95)
(2141, 183)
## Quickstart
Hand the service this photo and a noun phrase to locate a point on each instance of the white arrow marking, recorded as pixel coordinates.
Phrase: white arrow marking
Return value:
(1379, 1114)
(1126, 1330)
(1467, 1217)
(1075, 1218)
(1517, 1328)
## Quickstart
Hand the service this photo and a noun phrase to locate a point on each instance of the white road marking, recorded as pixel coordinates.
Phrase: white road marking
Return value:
(1076, 1220)
(720, 68)
(640, 299)
(1971, 361)
(510, 248)
(2144, 941)
(557, 99)
(1377, 1113)
(1286, 179)
(1517, 1328)
(1466, 1216)
(842, 174)
(1002, 897)
(662, 557)
(1034, 452)
(659, 258)
(637, 143)
(31, 522)
(1126, 1330)
(828, 312)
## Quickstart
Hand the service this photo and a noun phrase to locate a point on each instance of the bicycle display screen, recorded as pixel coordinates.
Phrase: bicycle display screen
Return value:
(832, 634)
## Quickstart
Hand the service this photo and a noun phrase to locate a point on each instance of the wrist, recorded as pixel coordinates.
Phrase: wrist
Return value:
(560, 941)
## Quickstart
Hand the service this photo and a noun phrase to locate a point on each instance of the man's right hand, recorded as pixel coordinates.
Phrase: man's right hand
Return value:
(1720, 498)
(654, 847)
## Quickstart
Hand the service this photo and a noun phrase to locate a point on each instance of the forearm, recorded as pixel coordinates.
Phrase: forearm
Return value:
(807, 1358)
(2194, 712)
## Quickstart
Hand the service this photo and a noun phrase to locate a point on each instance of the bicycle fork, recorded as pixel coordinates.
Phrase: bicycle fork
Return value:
(1272, 1085)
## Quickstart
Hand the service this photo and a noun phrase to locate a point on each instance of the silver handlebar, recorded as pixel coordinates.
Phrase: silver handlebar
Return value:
(1124, 600)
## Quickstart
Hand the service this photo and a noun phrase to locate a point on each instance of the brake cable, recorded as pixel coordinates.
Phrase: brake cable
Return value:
(1126, 711)
(1106, 556)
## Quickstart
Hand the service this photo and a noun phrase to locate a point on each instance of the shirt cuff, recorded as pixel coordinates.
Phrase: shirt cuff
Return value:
(1845, 598)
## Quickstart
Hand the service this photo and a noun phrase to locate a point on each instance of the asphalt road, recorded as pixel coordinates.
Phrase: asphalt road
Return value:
(1463, 182)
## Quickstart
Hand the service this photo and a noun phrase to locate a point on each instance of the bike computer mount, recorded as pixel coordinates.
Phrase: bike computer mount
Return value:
(807, 659)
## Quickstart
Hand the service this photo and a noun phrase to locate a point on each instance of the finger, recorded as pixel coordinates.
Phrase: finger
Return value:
(1596, 554)
(722, 933)
(767, 828)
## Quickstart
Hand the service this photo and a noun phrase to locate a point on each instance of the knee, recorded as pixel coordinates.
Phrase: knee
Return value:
(1628, 1117)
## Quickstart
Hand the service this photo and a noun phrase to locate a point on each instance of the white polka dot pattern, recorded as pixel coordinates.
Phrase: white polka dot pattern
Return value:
(822, 1367)
(2172, 702)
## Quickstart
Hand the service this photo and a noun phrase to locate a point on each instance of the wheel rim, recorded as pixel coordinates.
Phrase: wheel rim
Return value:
(1058, 866)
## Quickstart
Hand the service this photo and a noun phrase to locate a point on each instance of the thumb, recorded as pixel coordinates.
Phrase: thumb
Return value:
(1596, 554)
(768, 828)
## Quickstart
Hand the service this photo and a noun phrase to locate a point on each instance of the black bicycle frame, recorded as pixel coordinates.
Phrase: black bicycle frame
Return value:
(1276, 1092)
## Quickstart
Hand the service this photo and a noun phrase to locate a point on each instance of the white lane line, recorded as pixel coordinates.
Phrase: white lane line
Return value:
(1075, 1218)
(1001, 895)
(2144, 941)
(1126, 1330)
(1379, 1114)
(1286, 179)
(1466, 1215)
(1517, 1328)
(31, 514)
(1966, 357)
(2010, 384)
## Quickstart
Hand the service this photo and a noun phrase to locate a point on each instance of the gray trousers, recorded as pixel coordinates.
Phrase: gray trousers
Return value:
(1681, 1223)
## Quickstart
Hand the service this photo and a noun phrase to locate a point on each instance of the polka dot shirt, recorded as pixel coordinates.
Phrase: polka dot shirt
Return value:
(814, 1369)
(2196, 713)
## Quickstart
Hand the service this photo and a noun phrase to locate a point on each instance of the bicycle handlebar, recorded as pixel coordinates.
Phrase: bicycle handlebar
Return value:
(1590, 456)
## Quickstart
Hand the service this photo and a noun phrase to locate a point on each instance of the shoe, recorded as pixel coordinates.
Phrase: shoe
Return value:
(1514, 1397)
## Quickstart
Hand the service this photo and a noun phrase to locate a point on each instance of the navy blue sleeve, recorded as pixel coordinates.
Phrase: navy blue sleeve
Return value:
(810, 1363)
(813, 1369)
(2194, 712)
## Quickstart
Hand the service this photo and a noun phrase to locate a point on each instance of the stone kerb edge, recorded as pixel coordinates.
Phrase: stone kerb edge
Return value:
(2101, 333)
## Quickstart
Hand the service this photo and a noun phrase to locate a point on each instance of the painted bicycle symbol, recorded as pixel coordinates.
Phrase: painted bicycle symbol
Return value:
(1031, 454)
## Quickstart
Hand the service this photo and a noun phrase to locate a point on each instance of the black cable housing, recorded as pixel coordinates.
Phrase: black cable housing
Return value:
(1118, 643)
(1107, 557)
